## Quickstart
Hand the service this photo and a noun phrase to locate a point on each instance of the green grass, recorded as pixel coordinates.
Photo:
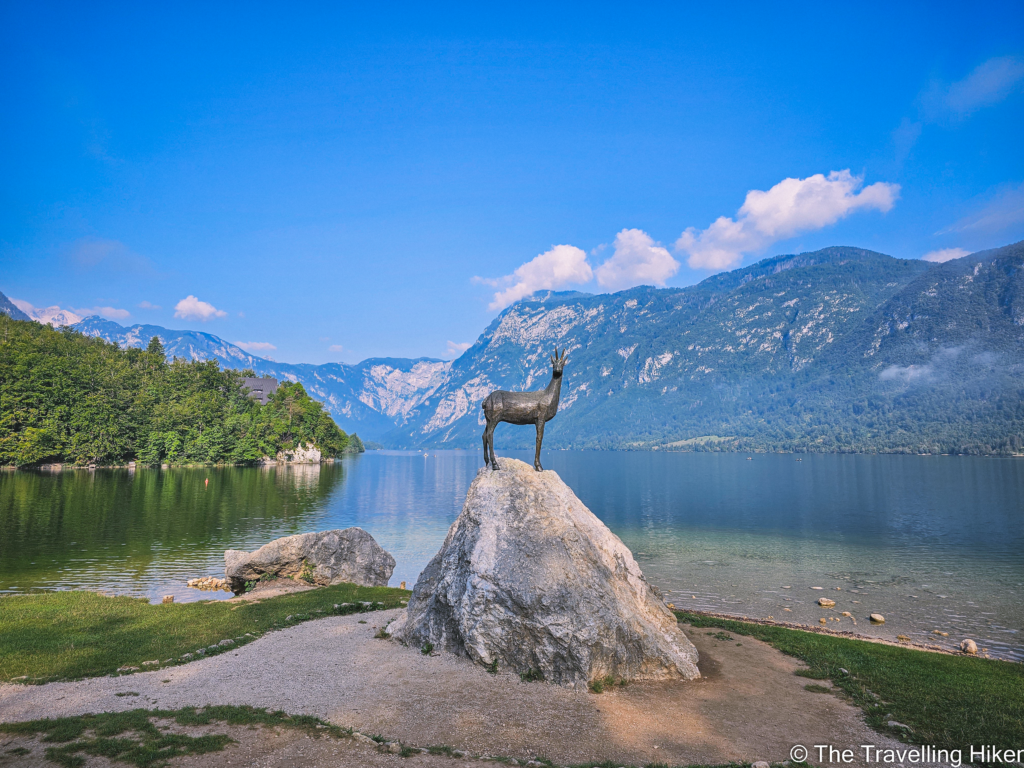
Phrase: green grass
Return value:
(71, 635)
(948, 701)
(132, 737)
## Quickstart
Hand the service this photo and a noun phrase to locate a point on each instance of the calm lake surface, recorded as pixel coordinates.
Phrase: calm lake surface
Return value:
(933, 543)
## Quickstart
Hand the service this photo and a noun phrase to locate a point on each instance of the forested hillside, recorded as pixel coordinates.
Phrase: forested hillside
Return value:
(838, 350)
(68, 397)
(368, 397)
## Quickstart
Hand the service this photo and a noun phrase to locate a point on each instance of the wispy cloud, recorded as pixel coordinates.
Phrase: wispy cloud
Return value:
(255, 346)
(191, 308)
(558, 267)
(636, 260)
(94, 253)
(1003, 210)
(789, 208)
(54, 315)
(335, 348)
(945, 254)
(456, 348)
(908, 374)
(988, 84)
(148, 305)
(111, 313)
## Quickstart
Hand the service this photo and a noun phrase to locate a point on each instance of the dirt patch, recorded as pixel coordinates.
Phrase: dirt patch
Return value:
(273, 588)
(748, 705)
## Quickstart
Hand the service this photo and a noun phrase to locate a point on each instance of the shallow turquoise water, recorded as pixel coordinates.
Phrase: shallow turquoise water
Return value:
(930, 542)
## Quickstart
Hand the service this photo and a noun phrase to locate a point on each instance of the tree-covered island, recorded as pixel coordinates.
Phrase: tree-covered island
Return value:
(66, 397)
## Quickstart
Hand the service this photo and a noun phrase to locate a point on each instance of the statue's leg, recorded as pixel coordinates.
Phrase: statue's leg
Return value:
(487, 459)
(540, 439)
(489, 440)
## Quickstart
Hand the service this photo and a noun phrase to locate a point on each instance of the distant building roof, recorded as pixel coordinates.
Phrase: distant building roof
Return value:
(260, 388)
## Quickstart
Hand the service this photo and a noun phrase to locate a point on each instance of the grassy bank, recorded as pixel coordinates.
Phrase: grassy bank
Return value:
(948, 701)
(69, 635)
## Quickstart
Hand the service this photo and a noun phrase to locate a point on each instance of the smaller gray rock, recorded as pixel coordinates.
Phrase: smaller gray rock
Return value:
(760, 764)
(226, 642)
(186, 656)
(894, 724)
(969, 647)
(328, 557)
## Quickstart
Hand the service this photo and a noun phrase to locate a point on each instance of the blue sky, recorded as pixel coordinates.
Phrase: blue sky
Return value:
(335, 183)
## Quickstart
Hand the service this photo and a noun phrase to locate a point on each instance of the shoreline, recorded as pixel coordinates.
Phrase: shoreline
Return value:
(849, 635)
(65, 466)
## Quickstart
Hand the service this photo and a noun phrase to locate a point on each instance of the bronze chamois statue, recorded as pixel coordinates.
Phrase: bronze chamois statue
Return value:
(523, 408)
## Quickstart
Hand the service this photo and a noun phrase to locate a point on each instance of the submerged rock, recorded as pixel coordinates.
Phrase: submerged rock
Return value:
(529, 580)
(824, 602)
(969, 647)
(327, 557)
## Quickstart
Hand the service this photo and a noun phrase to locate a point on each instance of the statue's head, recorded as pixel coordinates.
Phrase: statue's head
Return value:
(557, 363)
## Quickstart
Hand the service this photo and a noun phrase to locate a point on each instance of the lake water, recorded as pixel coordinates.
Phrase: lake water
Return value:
(933, 543)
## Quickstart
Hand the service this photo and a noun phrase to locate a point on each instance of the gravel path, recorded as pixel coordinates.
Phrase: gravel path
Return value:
(748, 706)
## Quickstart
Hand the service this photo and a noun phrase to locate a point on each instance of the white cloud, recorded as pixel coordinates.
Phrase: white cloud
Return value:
(790, 207)
(457, 348)
(556, 268)
(945, 254)
(988, 84)
(191, 308)
(636, 261)
(335, 348)
(148, 305)
(255, 346)
(1004, 210)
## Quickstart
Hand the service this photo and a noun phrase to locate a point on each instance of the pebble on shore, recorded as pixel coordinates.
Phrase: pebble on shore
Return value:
(208, 583)
(824, 602)
(877, 618)
(969, 647)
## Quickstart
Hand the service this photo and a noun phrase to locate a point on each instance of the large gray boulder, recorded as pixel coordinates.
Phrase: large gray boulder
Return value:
(530, 578)
(350, 555)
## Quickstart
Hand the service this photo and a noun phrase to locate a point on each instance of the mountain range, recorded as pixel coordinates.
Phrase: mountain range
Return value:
(841, 349)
